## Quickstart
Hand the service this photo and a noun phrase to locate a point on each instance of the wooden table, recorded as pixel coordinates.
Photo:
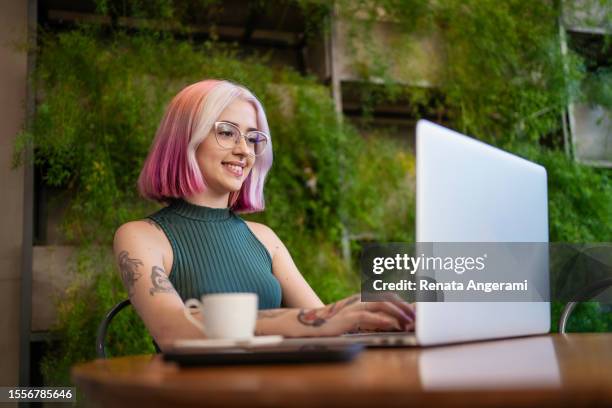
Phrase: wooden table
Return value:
(553, 370)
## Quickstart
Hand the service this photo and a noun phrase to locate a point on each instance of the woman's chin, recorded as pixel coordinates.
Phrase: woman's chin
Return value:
(233, 187)
(231, 183)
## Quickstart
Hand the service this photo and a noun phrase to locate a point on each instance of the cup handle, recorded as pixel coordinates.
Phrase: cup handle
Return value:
(188, 304)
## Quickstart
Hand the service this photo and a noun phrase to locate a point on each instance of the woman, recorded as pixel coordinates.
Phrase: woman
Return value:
(209, 159)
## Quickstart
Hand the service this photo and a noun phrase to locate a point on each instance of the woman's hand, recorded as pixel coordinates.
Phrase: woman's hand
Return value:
(346, 315)
(352, 315)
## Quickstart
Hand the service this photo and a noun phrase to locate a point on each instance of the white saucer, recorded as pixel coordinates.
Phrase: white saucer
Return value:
(257, 341)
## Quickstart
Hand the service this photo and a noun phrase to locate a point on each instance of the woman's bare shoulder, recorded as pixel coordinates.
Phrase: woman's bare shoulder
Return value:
(266, 235)
(145, 232)
(142, 229)
(144, 236)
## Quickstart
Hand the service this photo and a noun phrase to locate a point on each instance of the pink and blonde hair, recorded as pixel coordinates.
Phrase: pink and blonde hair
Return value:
(171, 170)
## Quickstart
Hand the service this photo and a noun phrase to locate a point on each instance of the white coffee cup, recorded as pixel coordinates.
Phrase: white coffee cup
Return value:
(225, 315)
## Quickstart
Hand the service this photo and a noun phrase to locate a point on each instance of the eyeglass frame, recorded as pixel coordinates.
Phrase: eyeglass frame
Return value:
(240, 135)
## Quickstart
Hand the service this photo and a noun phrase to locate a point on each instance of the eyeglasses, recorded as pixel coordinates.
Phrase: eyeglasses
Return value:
(228, 135)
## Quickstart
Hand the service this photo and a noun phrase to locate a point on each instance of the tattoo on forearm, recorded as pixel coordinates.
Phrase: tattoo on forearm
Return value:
(153, 223)
(128, 268)
(310, 318)
(161, 283)
(318, 317)
(269, 314)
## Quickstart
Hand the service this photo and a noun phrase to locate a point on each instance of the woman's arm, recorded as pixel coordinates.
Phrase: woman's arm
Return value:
(297, 293)
(306, 314)
(139, 254)
(346, 315)
(139, 249)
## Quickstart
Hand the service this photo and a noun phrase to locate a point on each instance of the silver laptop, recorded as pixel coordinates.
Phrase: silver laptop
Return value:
(468, 191)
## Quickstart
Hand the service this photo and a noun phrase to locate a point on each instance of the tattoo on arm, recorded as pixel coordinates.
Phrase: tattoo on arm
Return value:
(318, 317)
(161, 283)
(128, 267)
(310, 318)
(269, 314)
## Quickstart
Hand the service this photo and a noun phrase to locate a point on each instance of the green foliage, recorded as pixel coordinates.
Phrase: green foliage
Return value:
(101, 96)
(382, 207)
(502, 73)
(598, 87)
(307, 152)
(579, 197)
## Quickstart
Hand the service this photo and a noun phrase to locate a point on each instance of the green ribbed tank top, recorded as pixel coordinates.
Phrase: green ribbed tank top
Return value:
(214, 251)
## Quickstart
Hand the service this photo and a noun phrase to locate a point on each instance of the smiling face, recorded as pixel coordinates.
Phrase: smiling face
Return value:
(224, 170)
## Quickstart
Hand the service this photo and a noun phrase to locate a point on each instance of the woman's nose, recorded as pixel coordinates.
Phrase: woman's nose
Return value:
(241, 147)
